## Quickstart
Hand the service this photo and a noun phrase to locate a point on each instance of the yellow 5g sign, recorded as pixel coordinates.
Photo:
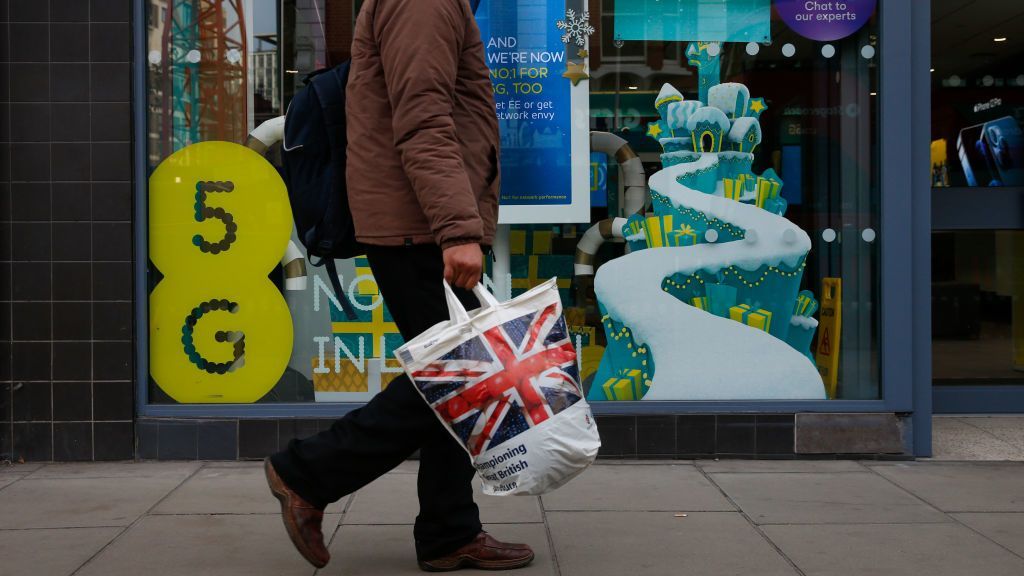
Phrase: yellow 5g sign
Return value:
(219, 221)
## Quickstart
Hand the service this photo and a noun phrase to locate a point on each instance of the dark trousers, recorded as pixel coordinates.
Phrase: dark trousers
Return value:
(372, 440)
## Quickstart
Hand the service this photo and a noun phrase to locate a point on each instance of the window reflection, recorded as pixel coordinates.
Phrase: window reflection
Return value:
(219, 68)
(977, 93)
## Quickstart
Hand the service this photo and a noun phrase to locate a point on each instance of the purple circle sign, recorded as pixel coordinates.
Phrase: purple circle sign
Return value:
(825, 19)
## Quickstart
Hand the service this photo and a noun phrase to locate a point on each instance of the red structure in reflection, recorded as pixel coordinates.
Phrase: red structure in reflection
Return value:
(204, 73)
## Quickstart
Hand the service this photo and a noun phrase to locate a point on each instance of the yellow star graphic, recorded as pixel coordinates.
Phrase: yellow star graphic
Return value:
(654, 129)
(576, 71)
(582, 53)
(757, 105)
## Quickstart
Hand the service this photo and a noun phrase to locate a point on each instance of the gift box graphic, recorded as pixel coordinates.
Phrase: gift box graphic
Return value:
(806, 305)
(700, 302)
(630, 385)
(658, 228)
(732, 188)
(721, 298)
(684, 236)
(766, 189)
(760, 318)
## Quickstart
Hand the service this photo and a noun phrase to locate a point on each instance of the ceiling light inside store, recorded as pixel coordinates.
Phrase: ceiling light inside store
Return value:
(932, 70)
(874, 93)
(633, 87)
(291, 71)
(1000, 39)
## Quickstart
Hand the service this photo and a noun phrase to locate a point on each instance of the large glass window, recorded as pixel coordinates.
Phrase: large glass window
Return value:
(977, 93)
(977, 142)
(731, 250)
(977, 311)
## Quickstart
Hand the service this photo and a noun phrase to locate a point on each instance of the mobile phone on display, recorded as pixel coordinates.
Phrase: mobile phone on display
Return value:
(1004, 143)
(971, 148)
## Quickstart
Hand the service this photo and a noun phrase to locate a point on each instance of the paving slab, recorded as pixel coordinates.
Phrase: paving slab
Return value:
(1005, 528)
(676, 487)
(659, 543)
(213, 545)
(80, 502)
(392, 499)
(226, 490)
(47, 552)
(172, 470)
(896, 550)
(818, 498)
(8, 479)
(961, 487)
(958, 440)
(1009, 429)
(373, 550)
(752, 466)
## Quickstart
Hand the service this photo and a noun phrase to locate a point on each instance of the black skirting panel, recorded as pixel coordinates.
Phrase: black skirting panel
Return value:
(690, 436)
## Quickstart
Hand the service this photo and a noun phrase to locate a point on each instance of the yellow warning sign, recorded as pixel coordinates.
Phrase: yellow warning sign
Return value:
(827, 357)
(825, 346)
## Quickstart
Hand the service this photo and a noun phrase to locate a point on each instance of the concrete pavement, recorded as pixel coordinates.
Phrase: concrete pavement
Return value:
(763, 518)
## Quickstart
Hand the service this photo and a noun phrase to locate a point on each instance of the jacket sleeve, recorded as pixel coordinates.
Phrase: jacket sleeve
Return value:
(420, 44)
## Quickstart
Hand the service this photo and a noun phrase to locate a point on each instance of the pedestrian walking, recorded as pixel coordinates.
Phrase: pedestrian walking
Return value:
(423, 180)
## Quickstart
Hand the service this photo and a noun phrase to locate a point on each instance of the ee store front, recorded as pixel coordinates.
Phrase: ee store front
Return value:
(728, 195)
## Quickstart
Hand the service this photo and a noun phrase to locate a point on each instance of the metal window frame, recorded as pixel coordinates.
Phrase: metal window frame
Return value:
(982, 208)
(904, 133)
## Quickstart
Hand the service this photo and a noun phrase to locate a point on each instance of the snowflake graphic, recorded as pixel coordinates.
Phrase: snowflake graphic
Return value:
(576, 29)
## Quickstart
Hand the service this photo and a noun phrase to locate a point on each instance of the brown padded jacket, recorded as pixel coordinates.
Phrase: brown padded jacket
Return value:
(423, 139)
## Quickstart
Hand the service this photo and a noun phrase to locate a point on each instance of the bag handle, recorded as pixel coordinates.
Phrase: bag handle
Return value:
(456, 311)
(487, 300)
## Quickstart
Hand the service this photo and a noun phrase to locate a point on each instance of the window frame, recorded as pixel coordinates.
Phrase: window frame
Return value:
(905, 250)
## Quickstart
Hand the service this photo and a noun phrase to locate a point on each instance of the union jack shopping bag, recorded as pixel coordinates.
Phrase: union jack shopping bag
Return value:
(504, 381)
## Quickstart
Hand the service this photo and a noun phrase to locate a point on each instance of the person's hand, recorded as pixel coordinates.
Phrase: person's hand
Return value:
(463, 265)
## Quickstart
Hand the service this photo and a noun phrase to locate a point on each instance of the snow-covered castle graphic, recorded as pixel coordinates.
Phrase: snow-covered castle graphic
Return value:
(707, 305)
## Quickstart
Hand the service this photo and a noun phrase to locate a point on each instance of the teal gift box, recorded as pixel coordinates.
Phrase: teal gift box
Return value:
(635, 232)
(744, 314)
(806, 305)
(777, 205)
(721, 298)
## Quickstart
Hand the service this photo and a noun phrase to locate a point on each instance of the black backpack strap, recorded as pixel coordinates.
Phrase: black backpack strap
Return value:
(332, 274)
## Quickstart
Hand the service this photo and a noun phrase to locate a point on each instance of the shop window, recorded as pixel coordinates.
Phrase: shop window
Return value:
(977, 94)
(977, 316)
(977, 142)
(767, 261)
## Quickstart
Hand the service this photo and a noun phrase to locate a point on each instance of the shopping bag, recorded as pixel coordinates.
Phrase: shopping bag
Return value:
(504, 381)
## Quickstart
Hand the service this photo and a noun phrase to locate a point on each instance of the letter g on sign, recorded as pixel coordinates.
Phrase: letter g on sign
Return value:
(219, 221)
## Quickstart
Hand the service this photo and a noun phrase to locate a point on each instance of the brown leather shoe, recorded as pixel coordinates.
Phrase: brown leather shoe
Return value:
(302, 520)
(484, 553)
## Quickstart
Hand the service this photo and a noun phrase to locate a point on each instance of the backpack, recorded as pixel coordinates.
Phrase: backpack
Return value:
(313, 158)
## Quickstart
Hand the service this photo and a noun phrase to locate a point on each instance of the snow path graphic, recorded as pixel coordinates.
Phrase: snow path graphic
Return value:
(699, 356)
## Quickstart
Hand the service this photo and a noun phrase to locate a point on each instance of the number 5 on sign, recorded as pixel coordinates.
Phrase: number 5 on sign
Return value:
(219, 221)
(829, 329)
